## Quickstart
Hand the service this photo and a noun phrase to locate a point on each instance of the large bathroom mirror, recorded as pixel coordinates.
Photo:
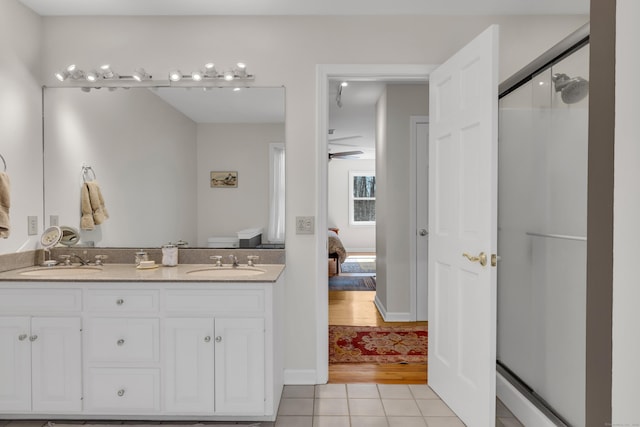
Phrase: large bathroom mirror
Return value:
(160, 157)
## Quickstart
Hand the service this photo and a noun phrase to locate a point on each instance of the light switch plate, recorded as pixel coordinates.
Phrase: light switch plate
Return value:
(305, 224)
(53, 220)
(32, 225)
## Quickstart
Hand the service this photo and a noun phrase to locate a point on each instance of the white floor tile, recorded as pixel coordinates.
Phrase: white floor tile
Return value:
(369, 422)
(299, 391)
(296, 407)
(331, 391)
(434, 408)
(401, 408)
(331, 407)
(422, 391)
(395, 391)
(326, 421)
(293, 421)
(370, 407)
(443, 422)
(406, 422)
(363, 391)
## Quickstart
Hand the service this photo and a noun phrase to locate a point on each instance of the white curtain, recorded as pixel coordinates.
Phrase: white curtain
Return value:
(276, 193)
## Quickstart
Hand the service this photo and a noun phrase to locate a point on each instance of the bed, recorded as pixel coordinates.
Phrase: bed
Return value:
(337, 252)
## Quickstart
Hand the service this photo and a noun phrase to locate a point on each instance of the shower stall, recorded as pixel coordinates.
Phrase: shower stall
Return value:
(542, 223)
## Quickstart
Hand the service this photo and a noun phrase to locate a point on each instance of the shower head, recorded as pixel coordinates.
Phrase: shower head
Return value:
(572, 89)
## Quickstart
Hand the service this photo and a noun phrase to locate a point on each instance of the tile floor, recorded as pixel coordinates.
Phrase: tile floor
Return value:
(355, 405)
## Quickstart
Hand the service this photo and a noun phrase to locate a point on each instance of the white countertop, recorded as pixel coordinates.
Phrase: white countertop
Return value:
(129, 273)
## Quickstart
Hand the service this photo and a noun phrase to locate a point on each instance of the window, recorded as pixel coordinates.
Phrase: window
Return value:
(362, 198)
(275, 232)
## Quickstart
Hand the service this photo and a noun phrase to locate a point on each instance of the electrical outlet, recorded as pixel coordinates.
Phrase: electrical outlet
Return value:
(53, 220)
(32, 225)
(305, 224)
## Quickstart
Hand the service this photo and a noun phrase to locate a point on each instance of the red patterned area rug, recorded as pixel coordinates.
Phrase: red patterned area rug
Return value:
(372, 344)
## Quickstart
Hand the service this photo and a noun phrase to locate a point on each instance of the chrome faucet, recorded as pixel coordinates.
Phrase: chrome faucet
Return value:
(79, 258)
(234, 260)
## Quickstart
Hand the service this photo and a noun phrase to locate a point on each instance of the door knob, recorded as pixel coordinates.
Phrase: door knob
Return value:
(481, 258)
(423, 232)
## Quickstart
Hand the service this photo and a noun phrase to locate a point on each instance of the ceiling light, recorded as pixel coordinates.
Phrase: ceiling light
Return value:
(93, 76)
(228, 75)
(344, 84)
(197, 76)
(140, 74)
(236, 89)
(107, 72)
(175, 75)
(62, 75)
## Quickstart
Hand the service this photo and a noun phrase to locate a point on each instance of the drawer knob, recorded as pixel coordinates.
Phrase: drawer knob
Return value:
(121, 392)
(207, 339)
(22, 337)
(119, 301)
(120, 341)
(32, 338)
(218, 338)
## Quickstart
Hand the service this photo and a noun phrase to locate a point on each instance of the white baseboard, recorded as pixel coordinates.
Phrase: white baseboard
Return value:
(300, 376)
(389, 316)
(520, 406)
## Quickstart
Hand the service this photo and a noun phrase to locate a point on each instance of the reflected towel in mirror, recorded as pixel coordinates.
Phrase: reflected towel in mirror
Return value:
(92, 206)
(5, 193)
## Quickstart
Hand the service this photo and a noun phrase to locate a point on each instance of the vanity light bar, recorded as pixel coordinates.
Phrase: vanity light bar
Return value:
(104, 72)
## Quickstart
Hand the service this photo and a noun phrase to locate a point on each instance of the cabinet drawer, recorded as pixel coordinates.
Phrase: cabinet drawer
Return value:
(219, 301)
(122, 340)
(122, 301)
(40, 300)
(116, 390)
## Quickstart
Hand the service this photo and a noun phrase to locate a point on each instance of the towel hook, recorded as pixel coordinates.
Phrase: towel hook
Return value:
(85, 173)
(4, 162)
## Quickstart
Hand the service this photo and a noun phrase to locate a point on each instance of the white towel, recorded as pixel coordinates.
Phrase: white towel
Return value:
(5, 196)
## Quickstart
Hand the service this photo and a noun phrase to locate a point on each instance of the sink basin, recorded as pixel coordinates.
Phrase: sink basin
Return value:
(71, 271)
(225, 272)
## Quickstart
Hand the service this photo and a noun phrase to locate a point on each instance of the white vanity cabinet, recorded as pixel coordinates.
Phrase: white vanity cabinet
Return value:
(40, 352)
(141, 350)
(216, 362)
(122, 350)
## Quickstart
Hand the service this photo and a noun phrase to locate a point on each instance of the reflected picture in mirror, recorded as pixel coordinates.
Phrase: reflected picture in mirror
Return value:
(152, 151)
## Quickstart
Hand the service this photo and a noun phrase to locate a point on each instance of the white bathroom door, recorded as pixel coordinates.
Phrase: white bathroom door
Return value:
(463, 110)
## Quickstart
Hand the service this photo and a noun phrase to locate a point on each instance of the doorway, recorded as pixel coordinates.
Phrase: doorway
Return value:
(327, 73)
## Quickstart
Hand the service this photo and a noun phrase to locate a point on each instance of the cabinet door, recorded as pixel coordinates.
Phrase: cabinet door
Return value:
(56, 364)
(239, 368)
(189, 361)
(15, 364)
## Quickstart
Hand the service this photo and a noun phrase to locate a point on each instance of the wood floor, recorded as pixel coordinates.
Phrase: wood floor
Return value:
(358, 309)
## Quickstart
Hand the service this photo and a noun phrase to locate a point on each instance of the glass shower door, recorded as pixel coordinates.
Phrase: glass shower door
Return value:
(542, 215)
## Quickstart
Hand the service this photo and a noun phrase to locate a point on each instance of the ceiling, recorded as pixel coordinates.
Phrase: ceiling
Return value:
(226, 105)
(302, 7)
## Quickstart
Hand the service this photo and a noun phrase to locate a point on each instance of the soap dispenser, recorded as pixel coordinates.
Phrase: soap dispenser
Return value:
(170, 255)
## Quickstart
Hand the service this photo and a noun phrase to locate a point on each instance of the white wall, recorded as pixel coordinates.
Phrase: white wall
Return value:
(234, 147)
(133, 140)
(355, 238)
(402, 102)
(626, 292)
(20, 119)
(270, 45)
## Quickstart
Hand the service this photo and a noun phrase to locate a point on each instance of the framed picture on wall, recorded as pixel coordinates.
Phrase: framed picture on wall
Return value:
(224, 179)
